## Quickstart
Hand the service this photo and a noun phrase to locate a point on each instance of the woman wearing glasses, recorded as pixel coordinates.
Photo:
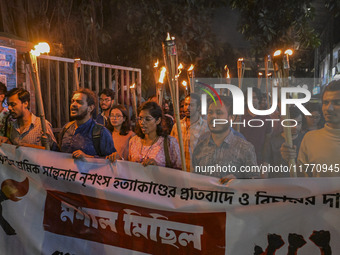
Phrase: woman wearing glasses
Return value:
(152, 146)
(121, 133)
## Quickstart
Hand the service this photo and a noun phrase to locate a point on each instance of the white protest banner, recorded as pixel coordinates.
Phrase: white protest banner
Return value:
(53, 204)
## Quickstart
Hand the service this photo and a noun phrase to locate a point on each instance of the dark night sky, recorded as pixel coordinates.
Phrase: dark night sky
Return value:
(225, 27)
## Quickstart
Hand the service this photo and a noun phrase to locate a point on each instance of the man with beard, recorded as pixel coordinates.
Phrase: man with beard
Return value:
(83, 137)
(25, 130)
(221, 147)
(193, 126)
(106, 100)
(321, 147)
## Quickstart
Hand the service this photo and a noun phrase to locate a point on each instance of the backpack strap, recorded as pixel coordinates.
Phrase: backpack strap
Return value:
(166, 152)
(62, 133)
(96, 137)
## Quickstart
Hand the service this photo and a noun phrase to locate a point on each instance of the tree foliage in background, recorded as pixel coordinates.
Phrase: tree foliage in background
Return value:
(140, 26)
(122, 32)
(276, 24)
(130, 32)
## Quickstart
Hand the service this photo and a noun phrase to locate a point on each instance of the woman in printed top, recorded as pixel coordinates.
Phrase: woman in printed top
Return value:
(152, 146)
(121, 133)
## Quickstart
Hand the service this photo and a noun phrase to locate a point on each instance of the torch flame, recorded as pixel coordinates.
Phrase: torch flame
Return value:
(40, 48)
(133, 86)
(156, 64)
(162, 75)
(168, 38)
(180, 67)
(13, 189)
(289, 52)
(277, 53)
(270, 74)
(227, 69)
(260, 74)
(191, 68)
(240, 59)
(184, 83)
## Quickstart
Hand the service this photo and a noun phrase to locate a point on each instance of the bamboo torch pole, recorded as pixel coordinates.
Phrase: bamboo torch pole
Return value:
(171, 63)
(283, 70)
(31, 58)
(266, 76)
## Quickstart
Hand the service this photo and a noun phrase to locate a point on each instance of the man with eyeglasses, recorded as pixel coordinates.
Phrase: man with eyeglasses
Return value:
(83, 137)
(320, 149)
(106, 100)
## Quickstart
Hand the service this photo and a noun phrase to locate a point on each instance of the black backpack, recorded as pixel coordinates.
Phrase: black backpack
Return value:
(95, 136)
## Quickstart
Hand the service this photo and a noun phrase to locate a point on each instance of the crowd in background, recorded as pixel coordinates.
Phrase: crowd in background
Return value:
(151, 137)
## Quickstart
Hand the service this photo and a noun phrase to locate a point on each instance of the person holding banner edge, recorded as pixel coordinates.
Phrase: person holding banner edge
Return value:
(151, 145)
(83, 137)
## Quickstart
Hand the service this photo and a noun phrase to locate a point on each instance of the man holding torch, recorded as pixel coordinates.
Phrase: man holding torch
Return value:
(193, 126)
(26, 128)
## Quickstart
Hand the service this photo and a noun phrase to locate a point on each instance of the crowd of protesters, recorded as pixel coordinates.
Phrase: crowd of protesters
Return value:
(154, 138)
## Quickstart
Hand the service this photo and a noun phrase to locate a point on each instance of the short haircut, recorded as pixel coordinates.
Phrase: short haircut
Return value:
(107, 92)
(332, 86)
(23, 95)
(227, 101)
(91, 98)
(258, 93)
(196, 97)
(3, 88)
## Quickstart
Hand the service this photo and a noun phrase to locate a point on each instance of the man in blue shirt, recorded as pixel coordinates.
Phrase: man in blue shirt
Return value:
(83, 137)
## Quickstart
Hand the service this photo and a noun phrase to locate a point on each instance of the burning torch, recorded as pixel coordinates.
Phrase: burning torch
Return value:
(171, 63)
(191, 78)
(31, 58)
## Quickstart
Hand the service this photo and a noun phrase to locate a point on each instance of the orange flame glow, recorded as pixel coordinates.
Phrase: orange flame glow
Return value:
(13, 189)
(184, 83)
(156, 64)
(191, 68)
(180, 67)
(168, 38)
(240, 59)
(260, 74)
(277, 53)
(162, 75)
(227, 69)
(289, 52)
(40, 48)
(133, 86)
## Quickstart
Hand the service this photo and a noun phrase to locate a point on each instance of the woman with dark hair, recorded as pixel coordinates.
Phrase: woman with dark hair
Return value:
(121, 134)
(152, 146)
(314, 121)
